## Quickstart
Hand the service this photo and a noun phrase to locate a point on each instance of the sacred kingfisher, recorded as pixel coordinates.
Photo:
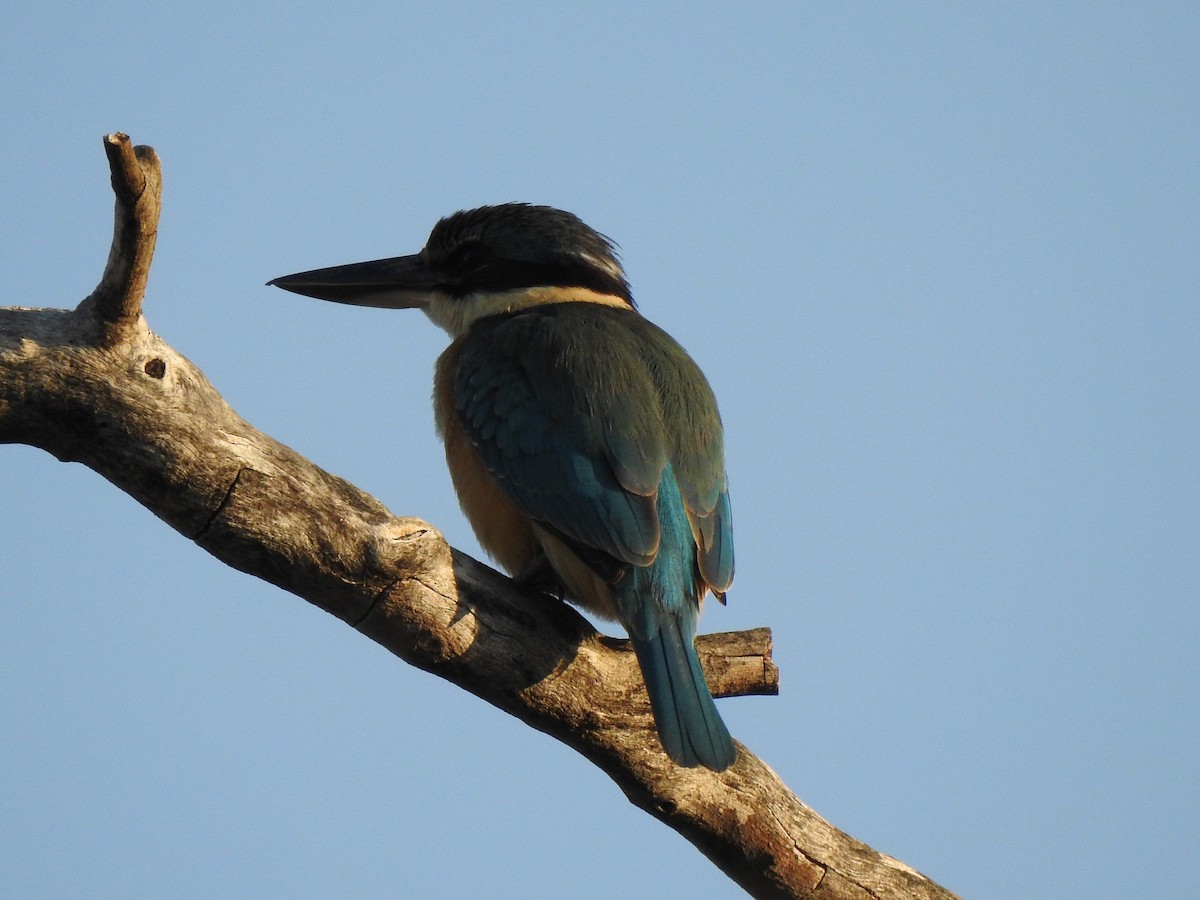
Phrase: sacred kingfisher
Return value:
(582, 440)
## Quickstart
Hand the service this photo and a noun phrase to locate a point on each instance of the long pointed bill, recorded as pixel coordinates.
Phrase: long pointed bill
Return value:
(403, 282)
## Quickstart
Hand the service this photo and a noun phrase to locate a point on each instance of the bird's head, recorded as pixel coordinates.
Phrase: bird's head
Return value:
(482, 262)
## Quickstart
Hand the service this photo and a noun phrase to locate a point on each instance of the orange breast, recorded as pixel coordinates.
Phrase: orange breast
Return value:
(502, 531)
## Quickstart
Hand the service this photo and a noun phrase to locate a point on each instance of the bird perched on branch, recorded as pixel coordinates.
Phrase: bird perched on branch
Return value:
(579, 435)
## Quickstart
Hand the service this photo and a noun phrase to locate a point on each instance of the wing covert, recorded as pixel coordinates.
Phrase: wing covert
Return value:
(560, 419)
(576, 409)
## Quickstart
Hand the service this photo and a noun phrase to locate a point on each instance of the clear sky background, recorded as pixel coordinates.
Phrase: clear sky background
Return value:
(940, 263)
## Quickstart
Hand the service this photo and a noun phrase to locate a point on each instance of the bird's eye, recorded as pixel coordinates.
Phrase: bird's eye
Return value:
(470, 256)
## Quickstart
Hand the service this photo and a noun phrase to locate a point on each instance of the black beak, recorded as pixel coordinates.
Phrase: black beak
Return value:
(403, 282)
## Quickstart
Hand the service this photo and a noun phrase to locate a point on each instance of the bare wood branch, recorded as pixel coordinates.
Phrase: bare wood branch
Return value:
(94, 385)
(116, 302)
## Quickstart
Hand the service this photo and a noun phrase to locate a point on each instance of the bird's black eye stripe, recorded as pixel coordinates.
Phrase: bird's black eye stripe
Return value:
(491, 274)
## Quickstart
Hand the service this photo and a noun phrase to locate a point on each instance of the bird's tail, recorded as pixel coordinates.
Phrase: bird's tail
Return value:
(689, 725)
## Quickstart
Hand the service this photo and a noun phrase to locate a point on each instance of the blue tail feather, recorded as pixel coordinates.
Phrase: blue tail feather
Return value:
(688, 723)
(659, 606)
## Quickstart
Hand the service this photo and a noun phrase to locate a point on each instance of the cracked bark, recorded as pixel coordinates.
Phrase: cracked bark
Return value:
(95, 385)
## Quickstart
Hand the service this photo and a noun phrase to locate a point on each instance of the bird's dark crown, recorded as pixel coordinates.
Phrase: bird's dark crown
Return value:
(519, 245)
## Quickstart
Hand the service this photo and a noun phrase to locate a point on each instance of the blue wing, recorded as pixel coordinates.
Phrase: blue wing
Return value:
(577, 409)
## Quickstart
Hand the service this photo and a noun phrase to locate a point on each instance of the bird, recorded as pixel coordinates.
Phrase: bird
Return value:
(584, 443)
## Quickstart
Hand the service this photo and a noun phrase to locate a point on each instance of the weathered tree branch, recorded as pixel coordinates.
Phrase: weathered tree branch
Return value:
(94, 385)
(116, 303)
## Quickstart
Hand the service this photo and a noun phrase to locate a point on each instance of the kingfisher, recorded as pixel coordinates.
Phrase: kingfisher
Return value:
(583, 442)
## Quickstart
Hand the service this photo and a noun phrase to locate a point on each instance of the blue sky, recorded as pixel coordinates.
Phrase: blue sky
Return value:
(940, 264)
